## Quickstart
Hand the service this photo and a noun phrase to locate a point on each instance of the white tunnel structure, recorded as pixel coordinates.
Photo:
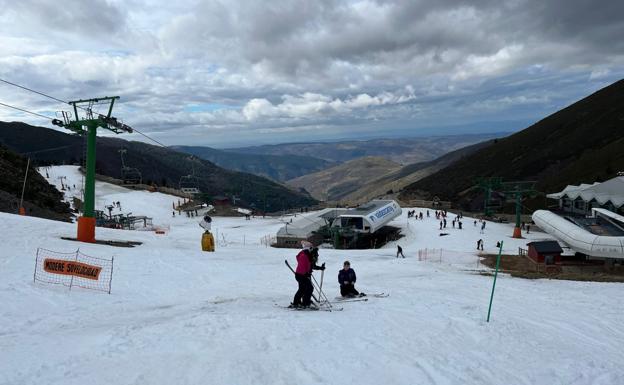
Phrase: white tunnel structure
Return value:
(579, 239)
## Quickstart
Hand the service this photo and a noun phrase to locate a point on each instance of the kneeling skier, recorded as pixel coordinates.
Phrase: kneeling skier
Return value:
(346, 279)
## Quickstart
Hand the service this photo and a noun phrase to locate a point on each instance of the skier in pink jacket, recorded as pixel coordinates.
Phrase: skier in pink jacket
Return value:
(306, 262)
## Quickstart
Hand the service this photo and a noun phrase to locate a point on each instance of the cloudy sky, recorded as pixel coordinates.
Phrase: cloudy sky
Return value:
(229, 73)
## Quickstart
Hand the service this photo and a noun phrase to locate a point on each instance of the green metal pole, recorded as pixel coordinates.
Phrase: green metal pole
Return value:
(89, 193)
(500, 251)
(518, 208)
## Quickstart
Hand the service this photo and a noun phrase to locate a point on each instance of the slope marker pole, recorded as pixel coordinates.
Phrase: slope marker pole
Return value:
(500, 250)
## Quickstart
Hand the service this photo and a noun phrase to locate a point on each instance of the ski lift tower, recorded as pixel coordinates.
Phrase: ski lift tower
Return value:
(87, 124)
(518, 189)
(489, 185)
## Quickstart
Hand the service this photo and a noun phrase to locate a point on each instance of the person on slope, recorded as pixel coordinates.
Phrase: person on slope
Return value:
(303, 273)
(346, 279)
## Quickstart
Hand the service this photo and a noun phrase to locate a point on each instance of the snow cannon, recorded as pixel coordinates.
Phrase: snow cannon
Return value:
(207, 241)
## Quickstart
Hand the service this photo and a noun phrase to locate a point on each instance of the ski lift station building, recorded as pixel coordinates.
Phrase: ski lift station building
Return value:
(583, 198)
(367, 218)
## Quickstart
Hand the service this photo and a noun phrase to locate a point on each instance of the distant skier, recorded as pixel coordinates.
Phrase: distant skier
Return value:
(303, 274)
(400, 252)
(346, 279)
(427, 213)
(444, 220)
(483, 227)
(441, 223)
(480, 244)
(459, 224)
(528, 228)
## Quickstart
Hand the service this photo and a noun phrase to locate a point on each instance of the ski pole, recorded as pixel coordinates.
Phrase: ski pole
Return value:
(317, 287)
(321, 285)
(323, 294)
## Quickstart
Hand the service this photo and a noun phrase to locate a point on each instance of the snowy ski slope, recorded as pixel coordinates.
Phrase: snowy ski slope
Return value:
(177, 315)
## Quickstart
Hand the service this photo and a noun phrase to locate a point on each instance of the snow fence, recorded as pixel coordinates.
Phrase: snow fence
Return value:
(450, 257)
(73, 269)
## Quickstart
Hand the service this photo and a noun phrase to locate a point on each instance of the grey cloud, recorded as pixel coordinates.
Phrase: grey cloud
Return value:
(464, 61)
(90, 18)
(296, 42)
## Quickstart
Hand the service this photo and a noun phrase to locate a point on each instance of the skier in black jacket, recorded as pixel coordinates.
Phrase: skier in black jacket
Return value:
(346, 279)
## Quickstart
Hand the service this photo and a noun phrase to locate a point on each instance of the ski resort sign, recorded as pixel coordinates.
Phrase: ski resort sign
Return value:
(79, 269)
(73, 269)
(379, 214)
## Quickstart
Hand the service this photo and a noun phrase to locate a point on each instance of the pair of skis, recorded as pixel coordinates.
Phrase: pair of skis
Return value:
(361, 298)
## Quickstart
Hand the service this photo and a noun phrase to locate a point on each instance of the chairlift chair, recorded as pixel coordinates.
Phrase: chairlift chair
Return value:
(131, 175)
(188, 184)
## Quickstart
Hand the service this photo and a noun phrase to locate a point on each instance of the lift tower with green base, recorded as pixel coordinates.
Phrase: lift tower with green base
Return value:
(87, 124)
(518, 189)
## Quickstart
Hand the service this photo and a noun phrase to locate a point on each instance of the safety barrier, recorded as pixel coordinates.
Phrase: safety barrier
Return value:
(73, 269)
(268, 240)
(449, 257)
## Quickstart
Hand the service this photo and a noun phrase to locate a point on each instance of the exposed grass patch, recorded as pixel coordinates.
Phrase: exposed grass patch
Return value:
(521, 267)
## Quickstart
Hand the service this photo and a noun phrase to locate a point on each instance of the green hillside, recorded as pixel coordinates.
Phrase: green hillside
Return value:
(40, 198)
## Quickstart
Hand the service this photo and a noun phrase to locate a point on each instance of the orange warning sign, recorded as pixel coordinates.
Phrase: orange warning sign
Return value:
(79, 269)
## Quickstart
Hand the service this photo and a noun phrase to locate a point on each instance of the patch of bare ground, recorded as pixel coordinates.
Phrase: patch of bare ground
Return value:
(522, 267)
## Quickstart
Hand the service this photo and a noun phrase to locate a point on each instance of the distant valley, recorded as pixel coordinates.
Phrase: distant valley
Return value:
(401, 150)
(367, 178)
(276, 167)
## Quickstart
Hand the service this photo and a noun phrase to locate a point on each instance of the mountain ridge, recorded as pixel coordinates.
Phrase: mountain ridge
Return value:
(400, 150)
(277, 167)
(580, 143)
(159, 165)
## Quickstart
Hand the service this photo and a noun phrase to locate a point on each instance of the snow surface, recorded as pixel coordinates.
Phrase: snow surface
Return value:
(177, 315)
